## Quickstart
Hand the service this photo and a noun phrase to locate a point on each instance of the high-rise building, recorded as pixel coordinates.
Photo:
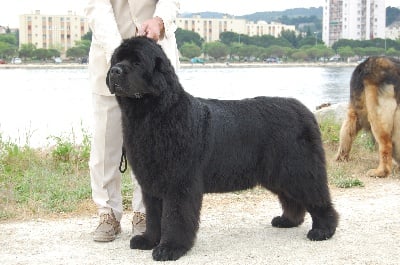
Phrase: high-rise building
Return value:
(52, 31)
(353, 19)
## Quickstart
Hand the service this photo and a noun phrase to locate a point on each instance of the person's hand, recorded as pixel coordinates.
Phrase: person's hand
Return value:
(152, 28)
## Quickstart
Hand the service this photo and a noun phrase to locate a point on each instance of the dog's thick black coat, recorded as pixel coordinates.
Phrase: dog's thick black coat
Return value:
(180, 147)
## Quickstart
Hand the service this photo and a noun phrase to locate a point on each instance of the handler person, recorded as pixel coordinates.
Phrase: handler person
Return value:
(110, 22)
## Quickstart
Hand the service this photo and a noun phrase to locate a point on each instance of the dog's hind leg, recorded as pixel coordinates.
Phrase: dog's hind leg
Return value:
(381, 105)
(348, 133)
(293, 213)
(324, 222)
(396, 136)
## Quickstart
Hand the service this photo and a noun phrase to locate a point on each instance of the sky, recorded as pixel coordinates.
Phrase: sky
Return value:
(10, 11)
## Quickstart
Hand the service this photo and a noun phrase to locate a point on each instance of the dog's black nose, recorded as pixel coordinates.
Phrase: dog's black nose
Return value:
(116, 70)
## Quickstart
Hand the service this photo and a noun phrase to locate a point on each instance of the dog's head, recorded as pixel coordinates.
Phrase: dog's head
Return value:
(139, 68)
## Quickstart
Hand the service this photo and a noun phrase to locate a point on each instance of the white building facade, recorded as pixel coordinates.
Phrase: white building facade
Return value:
(52, 31)
(210, 28)
(353, 19)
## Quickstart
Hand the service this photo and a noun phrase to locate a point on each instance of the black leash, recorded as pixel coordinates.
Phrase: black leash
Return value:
(124, 163)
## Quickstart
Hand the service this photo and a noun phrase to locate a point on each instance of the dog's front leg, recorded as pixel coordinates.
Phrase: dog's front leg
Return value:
(179, 224)
(151, 237)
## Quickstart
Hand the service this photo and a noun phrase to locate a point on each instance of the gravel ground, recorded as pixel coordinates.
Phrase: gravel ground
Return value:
(235, 229)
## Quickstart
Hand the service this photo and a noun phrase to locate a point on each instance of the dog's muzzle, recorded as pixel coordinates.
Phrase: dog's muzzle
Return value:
(117, 85)
(114, 79)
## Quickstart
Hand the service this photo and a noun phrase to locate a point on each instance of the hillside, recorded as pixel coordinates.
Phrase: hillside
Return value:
(265, 15)
(302, 18)
(290, 13)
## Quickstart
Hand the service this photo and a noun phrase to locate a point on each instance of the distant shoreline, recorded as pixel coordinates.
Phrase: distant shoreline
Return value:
(185, 65)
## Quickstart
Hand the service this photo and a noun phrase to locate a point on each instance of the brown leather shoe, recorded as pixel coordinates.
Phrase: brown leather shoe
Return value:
(138, 223)
(107, 229)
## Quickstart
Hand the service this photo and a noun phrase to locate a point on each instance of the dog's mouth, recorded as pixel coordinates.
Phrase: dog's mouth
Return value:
(119, 90)
(138, 95)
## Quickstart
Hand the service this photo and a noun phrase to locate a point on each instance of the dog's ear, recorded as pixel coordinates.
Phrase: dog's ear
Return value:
(160, 65)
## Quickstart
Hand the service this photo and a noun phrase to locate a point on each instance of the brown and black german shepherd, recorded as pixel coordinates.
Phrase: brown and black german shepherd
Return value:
(374, 105)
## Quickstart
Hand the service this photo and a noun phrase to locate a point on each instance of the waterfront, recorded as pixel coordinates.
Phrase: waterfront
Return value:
(37, 103)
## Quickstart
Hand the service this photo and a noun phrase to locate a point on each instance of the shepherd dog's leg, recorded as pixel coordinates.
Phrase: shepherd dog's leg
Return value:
(396, 136)
(348, 133)
(381, 105)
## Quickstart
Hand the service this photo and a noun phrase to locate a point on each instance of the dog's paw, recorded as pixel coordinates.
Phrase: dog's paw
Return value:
(282, 222)
(341, 157)
(318, 234)
(164, 252)
(141, 242)
(376, 173)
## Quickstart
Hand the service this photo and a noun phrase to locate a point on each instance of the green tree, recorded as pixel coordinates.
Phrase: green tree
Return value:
(27, 50)
(87, 36)
(307, 41)
(187, 36)
(234, 48)
(346, 52)
(229, 37)
(216, 49)
(359, 51)
(7, 50)
(9, 38)
(190, 50)
(393, 52)
(374, 51)
(313, 53)
(53, 53)
(346, 43)
(81, 49)
(299, 55)
(326, 52)
(276, 51)
(248, 51)
(76, 52)
(40, 54)
(264, 41)
(85, 44)
(291, 37)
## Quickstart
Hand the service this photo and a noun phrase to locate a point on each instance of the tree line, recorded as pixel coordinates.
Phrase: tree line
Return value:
(288, 47)
(232, 46)
(9, 48)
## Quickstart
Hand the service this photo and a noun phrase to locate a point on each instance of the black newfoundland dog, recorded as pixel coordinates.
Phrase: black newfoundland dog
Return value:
(180, 147)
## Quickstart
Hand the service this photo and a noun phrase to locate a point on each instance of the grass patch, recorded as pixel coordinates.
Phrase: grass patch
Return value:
(340, 178)
(53, 180)
(330, 130)
(348, 183)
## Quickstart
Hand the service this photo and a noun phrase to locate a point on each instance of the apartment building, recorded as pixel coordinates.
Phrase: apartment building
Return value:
(353, 19)
(210, 28)
(393, 31)
(52, 31)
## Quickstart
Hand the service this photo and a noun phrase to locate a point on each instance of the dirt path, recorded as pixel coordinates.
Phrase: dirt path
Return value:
(235, 229)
